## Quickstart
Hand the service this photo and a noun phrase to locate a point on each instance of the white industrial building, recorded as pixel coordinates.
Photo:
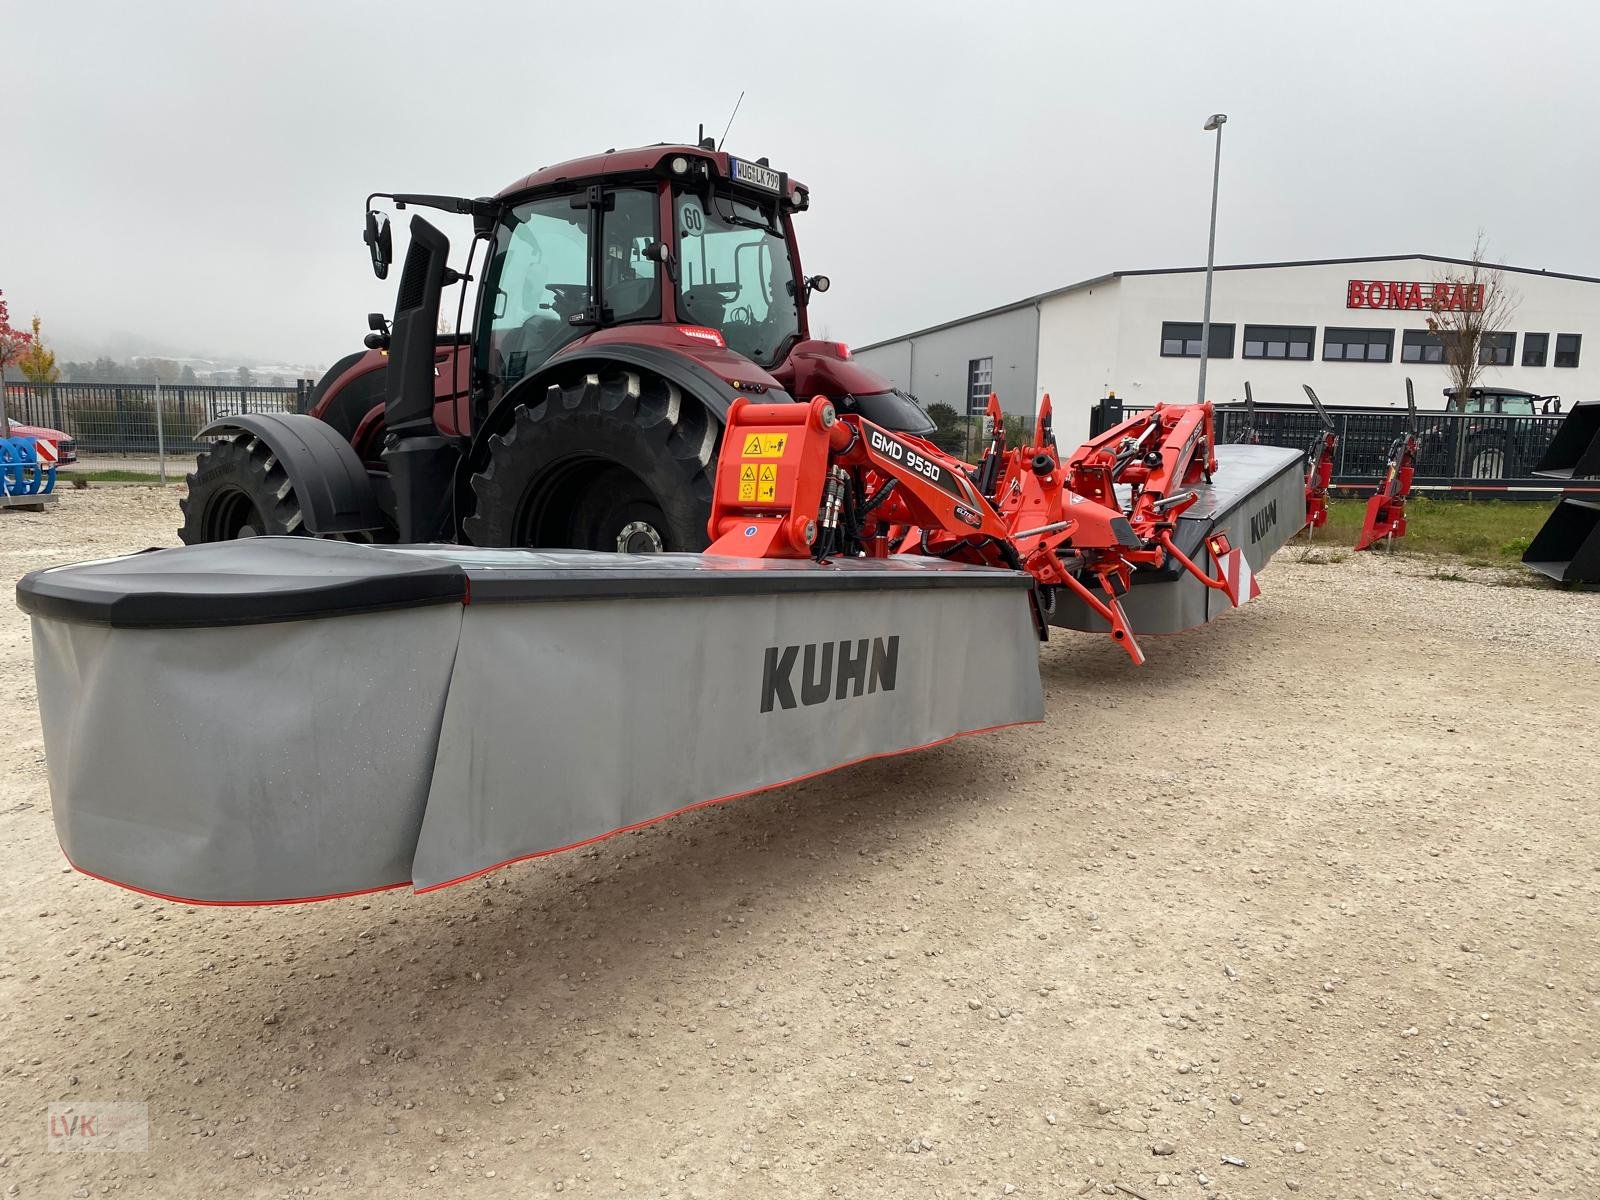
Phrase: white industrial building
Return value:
(1353, 328)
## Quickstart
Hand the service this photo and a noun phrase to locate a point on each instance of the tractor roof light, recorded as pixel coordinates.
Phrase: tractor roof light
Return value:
(679, 165)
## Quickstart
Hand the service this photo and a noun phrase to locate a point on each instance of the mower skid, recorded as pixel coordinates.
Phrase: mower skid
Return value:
(1257, 501)
(286, 719)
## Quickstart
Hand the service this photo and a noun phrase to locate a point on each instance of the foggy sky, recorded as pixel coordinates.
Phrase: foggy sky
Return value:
(192, 174)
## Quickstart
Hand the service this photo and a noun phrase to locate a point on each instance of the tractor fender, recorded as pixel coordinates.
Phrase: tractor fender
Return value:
(332, 485)
(698, 380)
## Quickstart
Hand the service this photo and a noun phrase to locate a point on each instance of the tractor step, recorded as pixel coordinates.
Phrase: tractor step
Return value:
(1257, 499)
(281, 719)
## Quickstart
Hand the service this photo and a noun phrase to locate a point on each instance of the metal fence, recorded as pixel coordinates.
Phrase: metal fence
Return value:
(121, 419)
(1471, 453)
(967, 437)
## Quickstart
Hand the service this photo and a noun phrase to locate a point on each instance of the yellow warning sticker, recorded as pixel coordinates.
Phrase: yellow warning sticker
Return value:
(764, 445)
(769, 473)
(747, 489)
(747, 473)
(767, 491)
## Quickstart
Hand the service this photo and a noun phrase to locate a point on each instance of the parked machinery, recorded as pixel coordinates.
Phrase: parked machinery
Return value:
(1386, 510)
(1567, 546)
(639, 378)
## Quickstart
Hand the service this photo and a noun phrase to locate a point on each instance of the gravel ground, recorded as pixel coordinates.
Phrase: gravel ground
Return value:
(1315, 890)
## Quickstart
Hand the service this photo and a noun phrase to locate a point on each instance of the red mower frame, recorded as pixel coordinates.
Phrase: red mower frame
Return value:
(797, 481)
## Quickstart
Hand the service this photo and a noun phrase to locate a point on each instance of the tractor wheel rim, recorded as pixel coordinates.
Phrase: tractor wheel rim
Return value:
(232, 515)
(639, 537)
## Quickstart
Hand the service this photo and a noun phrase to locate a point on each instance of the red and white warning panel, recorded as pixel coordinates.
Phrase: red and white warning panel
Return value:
(1239, 578)
(48, 454)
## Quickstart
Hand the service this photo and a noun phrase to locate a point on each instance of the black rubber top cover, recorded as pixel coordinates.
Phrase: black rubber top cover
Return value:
(243, 582)
(254, 580)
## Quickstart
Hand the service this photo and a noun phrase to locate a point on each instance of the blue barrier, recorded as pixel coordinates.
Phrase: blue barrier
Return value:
(21, 472)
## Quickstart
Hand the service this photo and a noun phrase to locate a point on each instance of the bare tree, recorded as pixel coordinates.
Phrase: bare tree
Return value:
(1469, 302)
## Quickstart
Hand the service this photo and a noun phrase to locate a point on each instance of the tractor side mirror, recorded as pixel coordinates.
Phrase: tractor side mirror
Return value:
(380, 243)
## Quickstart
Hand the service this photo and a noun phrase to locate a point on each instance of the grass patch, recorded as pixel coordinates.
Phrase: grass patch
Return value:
(1493, 532)
(113, 475)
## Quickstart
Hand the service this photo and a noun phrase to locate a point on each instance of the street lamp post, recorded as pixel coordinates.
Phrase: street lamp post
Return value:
(1217, 121)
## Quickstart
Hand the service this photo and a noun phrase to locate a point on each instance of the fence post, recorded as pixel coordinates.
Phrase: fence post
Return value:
(161, 438)
(1458, 424)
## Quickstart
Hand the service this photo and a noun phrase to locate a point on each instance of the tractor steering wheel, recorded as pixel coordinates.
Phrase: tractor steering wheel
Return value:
(570, 298)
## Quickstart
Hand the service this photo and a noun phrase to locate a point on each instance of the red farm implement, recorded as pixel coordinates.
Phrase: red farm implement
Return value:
(1386, 511)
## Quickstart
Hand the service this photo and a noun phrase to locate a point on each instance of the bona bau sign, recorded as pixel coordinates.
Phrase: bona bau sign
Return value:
(1415, 297)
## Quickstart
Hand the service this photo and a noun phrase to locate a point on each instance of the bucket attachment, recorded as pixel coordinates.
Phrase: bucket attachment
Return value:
(1567, 546)
(1574, 453)
(285, 719)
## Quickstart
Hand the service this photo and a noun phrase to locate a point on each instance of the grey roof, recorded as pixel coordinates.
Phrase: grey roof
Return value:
(1030, 301)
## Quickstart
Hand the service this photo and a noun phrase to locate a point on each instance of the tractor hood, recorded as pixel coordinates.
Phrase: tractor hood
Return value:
(819, 368)
(695, 342)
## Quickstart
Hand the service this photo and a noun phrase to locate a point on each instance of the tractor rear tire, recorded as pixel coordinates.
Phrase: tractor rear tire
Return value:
(615, 459)
(239, 489)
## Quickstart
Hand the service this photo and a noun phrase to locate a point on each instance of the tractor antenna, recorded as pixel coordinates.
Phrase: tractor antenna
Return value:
(731, 116)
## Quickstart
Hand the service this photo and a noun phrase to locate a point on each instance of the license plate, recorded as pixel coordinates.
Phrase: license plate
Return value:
(749, 172)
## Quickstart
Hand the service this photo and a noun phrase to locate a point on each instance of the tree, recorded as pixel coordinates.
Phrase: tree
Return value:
(246, 377)
(37, 364)
(13, 342)
(950, 430)
(1469, 302)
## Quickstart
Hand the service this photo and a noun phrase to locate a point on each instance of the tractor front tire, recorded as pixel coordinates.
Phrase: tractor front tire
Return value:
(239, 489)
(614, 459)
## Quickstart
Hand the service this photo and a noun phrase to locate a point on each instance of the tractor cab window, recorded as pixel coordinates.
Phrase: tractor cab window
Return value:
(627, 230)
(538, 279)
(734, 274)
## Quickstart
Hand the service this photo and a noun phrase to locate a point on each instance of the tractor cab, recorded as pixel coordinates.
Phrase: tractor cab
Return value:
(665, 236)
(1511, 402)
(681, 246)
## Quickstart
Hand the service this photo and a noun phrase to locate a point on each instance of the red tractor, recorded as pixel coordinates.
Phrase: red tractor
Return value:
(624, 301)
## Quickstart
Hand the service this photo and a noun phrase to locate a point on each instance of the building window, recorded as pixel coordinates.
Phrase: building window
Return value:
(1278, 341)
(1181, 339)
(1497, 349)
(1357, 345)
(1535, 348)
(1420, 346)
(1567, 346)
(980, 383)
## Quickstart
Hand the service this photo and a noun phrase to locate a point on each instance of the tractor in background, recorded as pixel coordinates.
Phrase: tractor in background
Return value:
(624, 301)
